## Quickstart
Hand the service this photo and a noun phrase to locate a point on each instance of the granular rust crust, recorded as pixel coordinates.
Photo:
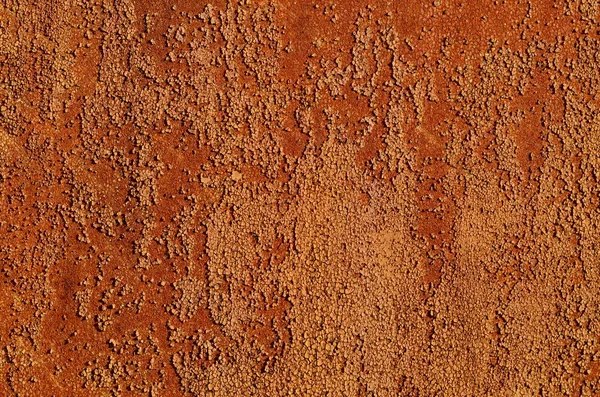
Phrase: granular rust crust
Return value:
(289, 198)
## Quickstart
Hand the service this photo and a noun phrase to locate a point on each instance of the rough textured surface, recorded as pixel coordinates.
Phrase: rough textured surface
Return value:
(360, 198)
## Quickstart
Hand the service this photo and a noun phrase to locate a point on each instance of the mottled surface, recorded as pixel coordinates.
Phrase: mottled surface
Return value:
(361, 198)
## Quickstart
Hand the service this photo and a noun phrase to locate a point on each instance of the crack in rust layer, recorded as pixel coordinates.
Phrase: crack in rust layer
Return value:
(254, 198)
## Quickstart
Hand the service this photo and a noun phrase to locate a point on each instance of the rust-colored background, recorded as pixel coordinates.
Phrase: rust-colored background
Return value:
(353, 198)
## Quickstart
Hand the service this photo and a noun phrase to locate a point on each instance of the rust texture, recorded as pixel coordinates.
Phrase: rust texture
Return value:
(290, 198)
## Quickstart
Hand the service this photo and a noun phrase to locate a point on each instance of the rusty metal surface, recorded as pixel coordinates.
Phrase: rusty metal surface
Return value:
(352, 198)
